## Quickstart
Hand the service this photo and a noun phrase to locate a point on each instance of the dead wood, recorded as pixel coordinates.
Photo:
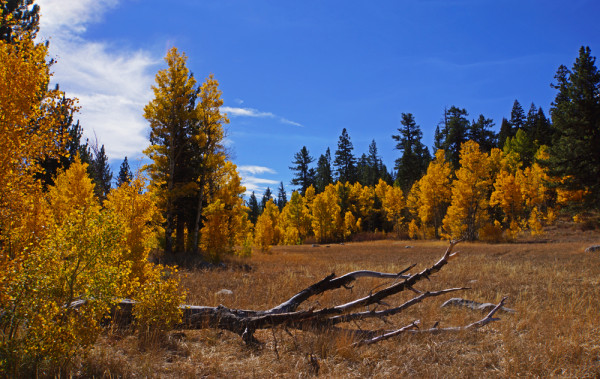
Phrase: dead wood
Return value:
(288, 314)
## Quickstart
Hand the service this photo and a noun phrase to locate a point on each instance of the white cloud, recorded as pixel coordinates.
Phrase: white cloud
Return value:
(254, 183)
(246, 112)
(68, 18)
(112, 85)
(258, 185)
(250, 112)
(254, 170)
(289, 122)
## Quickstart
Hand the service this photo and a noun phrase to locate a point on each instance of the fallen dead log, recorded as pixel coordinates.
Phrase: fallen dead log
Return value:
(288, 315)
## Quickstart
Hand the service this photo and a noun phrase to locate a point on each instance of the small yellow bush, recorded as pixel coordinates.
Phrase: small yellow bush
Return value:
(157, 308)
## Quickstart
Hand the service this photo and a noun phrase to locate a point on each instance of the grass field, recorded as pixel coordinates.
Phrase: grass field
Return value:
(553, 285)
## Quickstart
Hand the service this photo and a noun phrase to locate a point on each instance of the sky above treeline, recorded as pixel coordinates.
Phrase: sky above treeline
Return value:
(295, 73)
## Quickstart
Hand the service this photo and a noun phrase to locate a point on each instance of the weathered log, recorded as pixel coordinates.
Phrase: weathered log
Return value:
(288, 315)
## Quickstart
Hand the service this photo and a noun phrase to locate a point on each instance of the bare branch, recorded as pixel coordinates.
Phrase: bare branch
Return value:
(246, 322)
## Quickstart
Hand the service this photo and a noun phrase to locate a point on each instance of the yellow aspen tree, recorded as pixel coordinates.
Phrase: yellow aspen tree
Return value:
(80, 259)
(381, 189)
(468, 209)
(393, 204)
(30, 119)
(361, 201)
(30, 128)
(309, 195)
(351, 224)
(413, 200)
(435, 192)
(266, 230)
(325, 213)
(509, 196)
(136, 210)
(226, 217)
(294, 220)
(538, 193)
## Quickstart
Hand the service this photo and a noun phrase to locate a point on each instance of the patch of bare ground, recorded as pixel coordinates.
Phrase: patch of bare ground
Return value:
(551, 283)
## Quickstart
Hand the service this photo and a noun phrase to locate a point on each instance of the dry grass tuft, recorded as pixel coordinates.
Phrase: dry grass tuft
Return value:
(551, 283)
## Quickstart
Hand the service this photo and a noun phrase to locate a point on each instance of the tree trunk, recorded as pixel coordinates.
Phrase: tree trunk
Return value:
(288, 315)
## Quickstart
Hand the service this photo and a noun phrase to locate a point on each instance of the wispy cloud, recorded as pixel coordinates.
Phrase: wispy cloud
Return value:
(112, 84)
(256, 184)
(250, 112)
(254, 170)
(246, 112)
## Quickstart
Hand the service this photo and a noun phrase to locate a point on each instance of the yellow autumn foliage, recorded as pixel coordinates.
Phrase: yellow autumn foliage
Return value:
(266, 230)
(468, 209)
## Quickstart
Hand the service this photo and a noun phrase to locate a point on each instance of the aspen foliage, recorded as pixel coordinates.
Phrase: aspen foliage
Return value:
(157, 310)
(267, 232)
(393, 204)
(294, 220)
(140, 218)
(467, 212)
(432, 192)
(226, 222)
(327, 221)
(30, 117)
(361, 200)
(78, 258)
(351, 224)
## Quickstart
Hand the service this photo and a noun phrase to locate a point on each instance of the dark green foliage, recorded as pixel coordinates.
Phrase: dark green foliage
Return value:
(369, 167)
(345, 162)
(323, 175)
(542, 130)
(575, 152)
(281, 197)
(268, 195)
(438, 139)
(482, 133)
(454, 134)
(25, 19)
(303, 176)
(100, 173)
(125, 174)
(517, 117)
(254, 208)
(505, 132)
(362, 169)
(415, 157)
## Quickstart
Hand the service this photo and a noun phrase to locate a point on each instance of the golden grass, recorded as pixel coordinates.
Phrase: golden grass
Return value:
(552, 284)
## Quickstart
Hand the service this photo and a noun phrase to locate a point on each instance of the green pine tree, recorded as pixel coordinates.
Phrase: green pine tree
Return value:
(345, 162)
(125, 174)
(281, 197)
(456, 133)
(482, 133)
(575, 153)
(253, 208)
(505, 132)
(415, 157)
(323, 175)
(517, 117)
(303, 175)
(101, 173)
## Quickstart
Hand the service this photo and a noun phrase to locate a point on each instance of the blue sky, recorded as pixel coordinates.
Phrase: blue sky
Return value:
(295, 73)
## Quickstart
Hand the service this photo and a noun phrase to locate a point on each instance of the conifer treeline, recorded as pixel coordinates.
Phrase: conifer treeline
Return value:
(481, 184)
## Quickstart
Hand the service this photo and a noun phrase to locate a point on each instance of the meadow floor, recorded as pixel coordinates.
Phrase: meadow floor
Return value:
(553, 285)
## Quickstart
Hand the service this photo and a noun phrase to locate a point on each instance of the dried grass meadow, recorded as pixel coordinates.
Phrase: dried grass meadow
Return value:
(551, 283)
